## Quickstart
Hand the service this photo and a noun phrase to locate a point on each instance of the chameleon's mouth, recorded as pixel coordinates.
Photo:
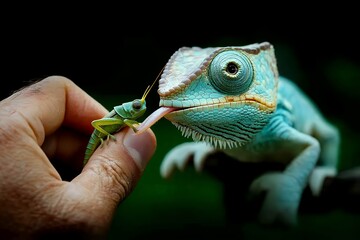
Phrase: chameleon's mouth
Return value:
(164, 110)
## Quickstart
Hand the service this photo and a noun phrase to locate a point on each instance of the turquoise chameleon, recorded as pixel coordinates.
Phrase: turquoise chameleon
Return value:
(232, 99)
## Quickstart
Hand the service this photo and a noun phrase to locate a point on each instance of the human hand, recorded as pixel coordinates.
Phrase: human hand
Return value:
(48, 124)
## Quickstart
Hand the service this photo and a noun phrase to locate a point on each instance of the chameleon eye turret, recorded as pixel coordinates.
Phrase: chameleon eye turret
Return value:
(231, 72)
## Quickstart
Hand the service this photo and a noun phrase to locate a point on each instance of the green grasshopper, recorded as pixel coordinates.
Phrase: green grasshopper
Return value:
(121, 116)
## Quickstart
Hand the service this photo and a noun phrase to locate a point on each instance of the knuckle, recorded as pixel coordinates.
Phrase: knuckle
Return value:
(57, 78)
(116, 180)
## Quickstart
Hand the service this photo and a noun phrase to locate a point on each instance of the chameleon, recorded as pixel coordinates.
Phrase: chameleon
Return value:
(233, 100)
(121, 116)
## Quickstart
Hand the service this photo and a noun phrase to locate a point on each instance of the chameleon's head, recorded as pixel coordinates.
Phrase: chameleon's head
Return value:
(223, 95)
(220, 95)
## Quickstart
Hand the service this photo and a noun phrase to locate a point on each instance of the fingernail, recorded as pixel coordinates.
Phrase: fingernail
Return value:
(141, 147)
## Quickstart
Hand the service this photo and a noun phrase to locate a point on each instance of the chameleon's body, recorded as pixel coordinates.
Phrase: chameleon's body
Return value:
(232, 99)
(121, 116)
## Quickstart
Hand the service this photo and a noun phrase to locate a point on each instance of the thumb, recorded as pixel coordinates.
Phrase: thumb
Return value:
(114, 169)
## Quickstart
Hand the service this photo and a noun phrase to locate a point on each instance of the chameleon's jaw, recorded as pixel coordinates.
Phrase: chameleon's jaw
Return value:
(223, 125)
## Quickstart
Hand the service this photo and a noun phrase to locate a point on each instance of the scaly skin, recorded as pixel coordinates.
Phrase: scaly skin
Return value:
(232, 99)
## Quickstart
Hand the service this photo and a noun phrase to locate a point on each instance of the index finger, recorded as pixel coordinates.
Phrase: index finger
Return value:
(55, 101)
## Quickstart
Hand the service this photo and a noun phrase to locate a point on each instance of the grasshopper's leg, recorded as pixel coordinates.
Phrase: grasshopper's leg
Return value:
(99, 123)
(131, 123)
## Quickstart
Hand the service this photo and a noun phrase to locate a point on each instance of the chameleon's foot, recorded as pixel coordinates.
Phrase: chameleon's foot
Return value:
(282, 199)
(318, 176)
(179, 156)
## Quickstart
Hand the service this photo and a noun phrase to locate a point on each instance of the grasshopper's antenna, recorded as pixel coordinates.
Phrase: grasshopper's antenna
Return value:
(147, 90)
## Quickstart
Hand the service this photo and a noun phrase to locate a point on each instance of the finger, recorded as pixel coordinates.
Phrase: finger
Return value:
(114, 169)
(65, 148)
(51, 102)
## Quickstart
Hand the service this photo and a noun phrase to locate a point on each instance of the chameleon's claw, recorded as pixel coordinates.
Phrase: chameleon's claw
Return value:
(281, 203)
(179, 157)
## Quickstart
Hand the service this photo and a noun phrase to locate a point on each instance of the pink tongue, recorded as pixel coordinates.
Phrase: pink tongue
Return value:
(153, 118)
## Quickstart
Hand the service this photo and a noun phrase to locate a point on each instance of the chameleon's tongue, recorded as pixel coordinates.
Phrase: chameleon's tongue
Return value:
(153, 118)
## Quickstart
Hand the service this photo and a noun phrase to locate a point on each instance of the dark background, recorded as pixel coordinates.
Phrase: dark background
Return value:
(108, 58)
(115, 60)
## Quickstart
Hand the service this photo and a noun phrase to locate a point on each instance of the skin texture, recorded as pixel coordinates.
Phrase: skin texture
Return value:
(44, 129)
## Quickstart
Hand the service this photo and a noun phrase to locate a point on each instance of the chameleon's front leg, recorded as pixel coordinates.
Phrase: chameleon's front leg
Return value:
(180, 155)
(284, 190)
(329, 138)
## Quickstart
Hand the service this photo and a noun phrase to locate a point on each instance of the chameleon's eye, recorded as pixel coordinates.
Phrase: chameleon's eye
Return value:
(136, 104)
(231, 72)
(232, 68)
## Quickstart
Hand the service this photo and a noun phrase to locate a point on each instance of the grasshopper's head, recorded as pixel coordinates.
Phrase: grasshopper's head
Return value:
(131, 110)
(136, 108)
